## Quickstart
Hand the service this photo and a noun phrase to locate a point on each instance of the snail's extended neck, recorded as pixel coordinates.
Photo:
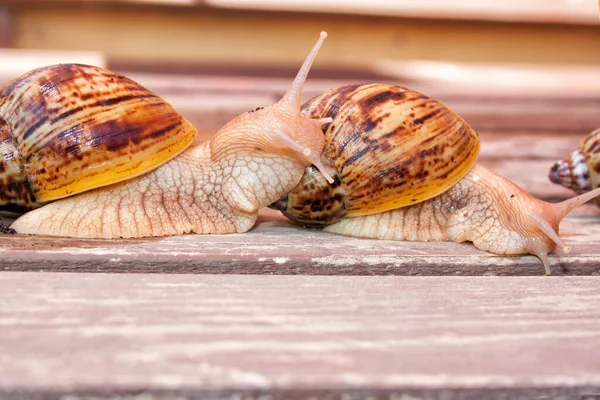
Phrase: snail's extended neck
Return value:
(244, 181)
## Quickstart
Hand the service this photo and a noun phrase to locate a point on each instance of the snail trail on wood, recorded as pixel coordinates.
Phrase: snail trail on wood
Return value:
(96, 155)
(404, 168)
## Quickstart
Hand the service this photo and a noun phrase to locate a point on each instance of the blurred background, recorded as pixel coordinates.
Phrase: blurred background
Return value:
(524, 73)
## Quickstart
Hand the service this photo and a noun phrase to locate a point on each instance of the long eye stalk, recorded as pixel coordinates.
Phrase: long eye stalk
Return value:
(293, 97)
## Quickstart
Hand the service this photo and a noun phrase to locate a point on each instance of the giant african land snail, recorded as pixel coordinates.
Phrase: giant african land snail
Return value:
(120, 162)
(404, 169)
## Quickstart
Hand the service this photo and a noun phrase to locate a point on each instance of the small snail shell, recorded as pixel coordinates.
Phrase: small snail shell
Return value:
(403, 169)
(119, 161)
(580, 170)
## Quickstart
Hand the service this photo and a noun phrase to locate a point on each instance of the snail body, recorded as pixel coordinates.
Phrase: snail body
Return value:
(106, 158)
(432, 154)
(580, 170)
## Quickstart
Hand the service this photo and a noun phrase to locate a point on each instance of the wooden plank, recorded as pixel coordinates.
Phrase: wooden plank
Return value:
(553, 11)
(509, 82)
(16, 61)
(217, 36)
(536, 11)
(275, 246)
(225, 337)
(566, 107)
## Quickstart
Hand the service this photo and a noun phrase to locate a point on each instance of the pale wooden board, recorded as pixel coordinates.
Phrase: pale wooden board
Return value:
(571, 107)
(540, 11)
(180, 36)
(276, 246)
(530, 11)
(231, 337)
(16, 62)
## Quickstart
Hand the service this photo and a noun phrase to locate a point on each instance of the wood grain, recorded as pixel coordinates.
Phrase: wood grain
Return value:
(227, 337)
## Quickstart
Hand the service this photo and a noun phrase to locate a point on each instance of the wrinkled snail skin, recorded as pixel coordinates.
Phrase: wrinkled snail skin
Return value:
(580, 170)
(214, 187)
(403, 169)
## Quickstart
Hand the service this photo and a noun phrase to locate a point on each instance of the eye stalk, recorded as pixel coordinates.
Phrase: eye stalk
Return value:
(280, 126)
(306, 151)
(302, 134)
(315, 157)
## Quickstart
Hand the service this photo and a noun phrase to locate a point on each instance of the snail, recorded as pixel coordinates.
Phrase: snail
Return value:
(404, 168)
(580, 170)
(96, 155)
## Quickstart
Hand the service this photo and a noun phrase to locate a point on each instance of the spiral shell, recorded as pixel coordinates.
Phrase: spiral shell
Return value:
(68, 128)
(387, 146)
(580, 170)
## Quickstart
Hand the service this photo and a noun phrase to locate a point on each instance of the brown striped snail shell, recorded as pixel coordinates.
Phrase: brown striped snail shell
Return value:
(69, 128)
(580, 170)
(387, 147)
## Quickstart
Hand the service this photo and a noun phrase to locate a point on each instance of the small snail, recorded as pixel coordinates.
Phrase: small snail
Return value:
(107, 158)
(403, 169)
(580, 170)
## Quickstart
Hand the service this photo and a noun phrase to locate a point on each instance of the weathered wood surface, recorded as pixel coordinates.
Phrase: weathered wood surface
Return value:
(275, 246)
(231, 337)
